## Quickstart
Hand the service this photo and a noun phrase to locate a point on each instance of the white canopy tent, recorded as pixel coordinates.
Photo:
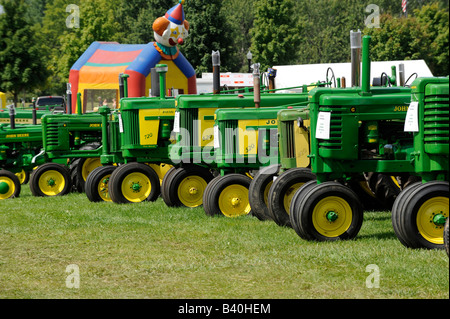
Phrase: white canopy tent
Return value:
(297, 75)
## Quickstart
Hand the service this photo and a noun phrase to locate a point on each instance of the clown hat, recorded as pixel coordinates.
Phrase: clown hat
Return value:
(176, 13)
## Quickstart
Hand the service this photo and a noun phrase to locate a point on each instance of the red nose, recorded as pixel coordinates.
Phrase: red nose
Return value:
(180, 41)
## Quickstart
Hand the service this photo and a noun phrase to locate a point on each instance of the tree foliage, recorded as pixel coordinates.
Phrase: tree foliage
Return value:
(37, 48)
(274, 35)
(422, 36)
(20, 59)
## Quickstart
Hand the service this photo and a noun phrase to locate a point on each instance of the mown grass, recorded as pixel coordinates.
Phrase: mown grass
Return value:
(148, 250)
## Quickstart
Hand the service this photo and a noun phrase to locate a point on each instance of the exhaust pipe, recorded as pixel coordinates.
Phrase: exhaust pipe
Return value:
(256, 85)
(216, 71)
(69, 100)
(272, 75)
(401, 74)
(365, 87)
(155, 83)
(12, 116)
(162, 70)
(355, 47)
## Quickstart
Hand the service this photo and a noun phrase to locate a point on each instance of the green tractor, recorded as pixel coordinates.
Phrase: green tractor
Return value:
(71, 146)
(246, 142)
(195, 152)
(362, 130)
(19, 146)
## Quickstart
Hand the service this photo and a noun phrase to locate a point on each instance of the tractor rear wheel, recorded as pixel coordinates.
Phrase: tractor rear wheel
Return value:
(50, 179)
(328, 212)
(385, 187)
(24, 176)
(424, 213)
(134, 183)
(228, 196)
(187, 185)
(9, 185)
(97, 183)
(282, 192)
(446, 238)
(81, 167)
(258, 192)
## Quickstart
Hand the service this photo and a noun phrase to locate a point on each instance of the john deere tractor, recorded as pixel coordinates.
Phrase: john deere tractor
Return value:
(20, 145)
(362, 129)
(195, 150)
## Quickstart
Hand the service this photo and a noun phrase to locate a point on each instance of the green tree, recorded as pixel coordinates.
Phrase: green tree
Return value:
(136, 18)
(97, 22)
(239, 15)
(434, 23)
(21, 63)
(275, 37)
(209, 30)
(422, 36)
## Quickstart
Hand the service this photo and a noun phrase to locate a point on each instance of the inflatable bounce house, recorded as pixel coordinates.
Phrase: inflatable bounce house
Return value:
(96, 73)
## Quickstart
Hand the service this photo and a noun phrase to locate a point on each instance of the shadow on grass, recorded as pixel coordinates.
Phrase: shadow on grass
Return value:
(381, 235)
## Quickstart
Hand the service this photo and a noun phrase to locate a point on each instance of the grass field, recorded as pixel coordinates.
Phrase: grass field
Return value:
(148, 250)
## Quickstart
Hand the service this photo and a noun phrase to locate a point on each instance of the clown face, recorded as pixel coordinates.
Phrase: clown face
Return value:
(168, 33)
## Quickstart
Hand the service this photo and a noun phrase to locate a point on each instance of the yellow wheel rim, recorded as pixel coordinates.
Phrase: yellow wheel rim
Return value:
(266, 193)
(51, 183)
(233, 201)
(7, 187)
(22, 175)
(289, 195)
(332, 216)
(103, 190)
(426, 215)
(190, 191)
(89, 165)
(136, 187)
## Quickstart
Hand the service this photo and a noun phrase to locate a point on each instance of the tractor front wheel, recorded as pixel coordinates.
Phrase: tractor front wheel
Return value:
(9, 185)
(283, 190)
(186, 186)
(328, 212)
(97, 184)
(134, 183)
(50, 179)
(423, 212)
(258, 192)
(227, 195)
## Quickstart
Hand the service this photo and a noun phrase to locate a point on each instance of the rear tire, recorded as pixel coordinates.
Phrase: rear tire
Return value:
(446, 238)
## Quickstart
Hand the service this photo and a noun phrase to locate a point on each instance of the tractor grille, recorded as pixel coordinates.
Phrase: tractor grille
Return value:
(131, 127)
(52, 137)
(188, 121)
(335, 141)
(290, 140)
(230, 139)
(436, 123)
